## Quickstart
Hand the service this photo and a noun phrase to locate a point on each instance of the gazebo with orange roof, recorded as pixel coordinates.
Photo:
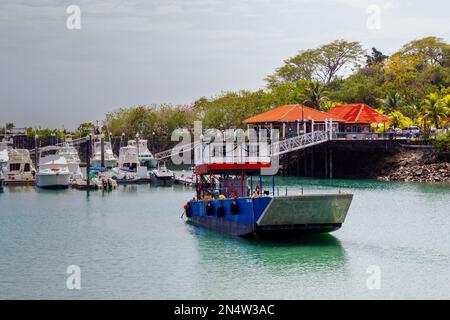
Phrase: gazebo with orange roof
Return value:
(293, 119)
(358, 117)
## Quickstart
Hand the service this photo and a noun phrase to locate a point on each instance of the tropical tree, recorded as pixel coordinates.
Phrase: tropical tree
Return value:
(321, 64)
(85, 129)
(397, 119)
(376, 57)
(9, 125)
(393, 101)
(314, 95)
(434, 110)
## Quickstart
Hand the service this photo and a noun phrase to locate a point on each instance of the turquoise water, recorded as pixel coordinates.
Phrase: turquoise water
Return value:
(132, 244)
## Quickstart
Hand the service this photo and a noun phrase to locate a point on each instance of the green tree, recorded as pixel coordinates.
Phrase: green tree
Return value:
(85, 129)
(314, 95)
(376, 57)
(10, 125)
(434, 110)
(392, 102)
(397, 119)
(321, 64)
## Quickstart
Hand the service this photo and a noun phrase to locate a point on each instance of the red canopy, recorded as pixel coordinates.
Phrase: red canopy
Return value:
(291, 113)
(357, 113)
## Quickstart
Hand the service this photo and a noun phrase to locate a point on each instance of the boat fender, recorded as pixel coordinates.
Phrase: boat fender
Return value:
(188, 210)
(234, 208)
(220, 212)
(209, 209)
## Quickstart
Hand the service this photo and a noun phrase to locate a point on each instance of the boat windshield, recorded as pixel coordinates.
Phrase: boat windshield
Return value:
(50, 152)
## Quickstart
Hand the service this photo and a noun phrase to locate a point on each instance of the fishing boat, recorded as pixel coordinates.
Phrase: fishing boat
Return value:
(128, 158)
(162, 176)
(53, 172)
(109, 159)
(146, 158)
(19, 169)
(185, 179)
(70, 153)
(128, 164)
(227, 199)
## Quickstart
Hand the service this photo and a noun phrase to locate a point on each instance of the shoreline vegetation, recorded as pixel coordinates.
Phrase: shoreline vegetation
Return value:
(411, 87)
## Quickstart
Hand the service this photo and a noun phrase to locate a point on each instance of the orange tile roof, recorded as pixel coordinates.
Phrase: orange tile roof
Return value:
(357, 113)
(290, 113)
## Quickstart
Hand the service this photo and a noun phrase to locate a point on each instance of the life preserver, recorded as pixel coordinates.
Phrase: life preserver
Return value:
(233, 193)
(188, 210)
(234, 208)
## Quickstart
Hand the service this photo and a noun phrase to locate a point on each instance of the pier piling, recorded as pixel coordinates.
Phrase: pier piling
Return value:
(102, 150)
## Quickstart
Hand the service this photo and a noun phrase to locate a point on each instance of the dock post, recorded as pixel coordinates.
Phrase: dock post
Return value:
(102, 150)
(331, 163)
(304, 163)
(88, 162)
(36, 152)
(312, 162)
(273, 185)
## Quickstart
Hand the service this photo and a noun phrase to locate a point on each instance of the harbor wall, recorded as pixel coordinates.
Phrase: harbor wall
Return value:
(390, 160)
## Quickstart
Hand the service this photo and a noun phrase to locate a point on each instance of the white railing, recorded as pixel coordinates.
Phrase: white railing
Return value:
(299, 142)
(175, 151)
(265, 151)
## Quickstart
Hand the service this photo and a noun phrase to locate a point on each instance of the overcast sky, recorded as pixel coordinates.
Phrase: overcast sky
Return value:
(174, 51)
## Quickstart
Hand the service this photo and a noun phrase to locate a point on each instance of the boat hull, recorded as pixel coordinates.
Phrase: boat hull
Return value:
(273, 217)
(53, 181)
(162, 181)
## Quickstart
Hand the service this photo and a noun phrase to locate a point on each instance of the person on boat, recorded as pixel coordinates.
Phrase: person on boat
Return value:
(209, 196)
(257, 191)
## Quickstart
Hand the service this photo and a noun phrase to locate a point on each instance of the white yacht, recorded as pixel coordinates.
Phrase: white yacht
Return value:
(162, 176)
(146, 158)
(128, 158)
(53, 171)
(109, 158)
(19, 168)
(70, 153)
(3, 160)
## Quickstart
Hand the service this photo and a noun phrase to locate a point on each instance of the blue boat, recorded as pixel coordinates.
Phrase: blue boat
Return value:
(227, 202)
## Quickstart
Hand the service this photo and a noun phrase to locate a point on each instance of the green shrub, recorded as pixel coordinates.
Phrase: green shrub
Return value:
(442, 141)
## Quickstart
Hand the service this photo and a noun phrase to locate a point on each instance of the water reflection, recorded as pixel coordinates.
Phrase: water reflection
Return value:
(19, 188)
(309, 254)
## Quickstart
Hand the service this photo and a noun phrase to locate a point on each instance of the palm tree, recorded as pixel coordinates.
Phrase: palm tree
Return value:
(397, 118)
(434, 110)
(392, 102)
(314, 95)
